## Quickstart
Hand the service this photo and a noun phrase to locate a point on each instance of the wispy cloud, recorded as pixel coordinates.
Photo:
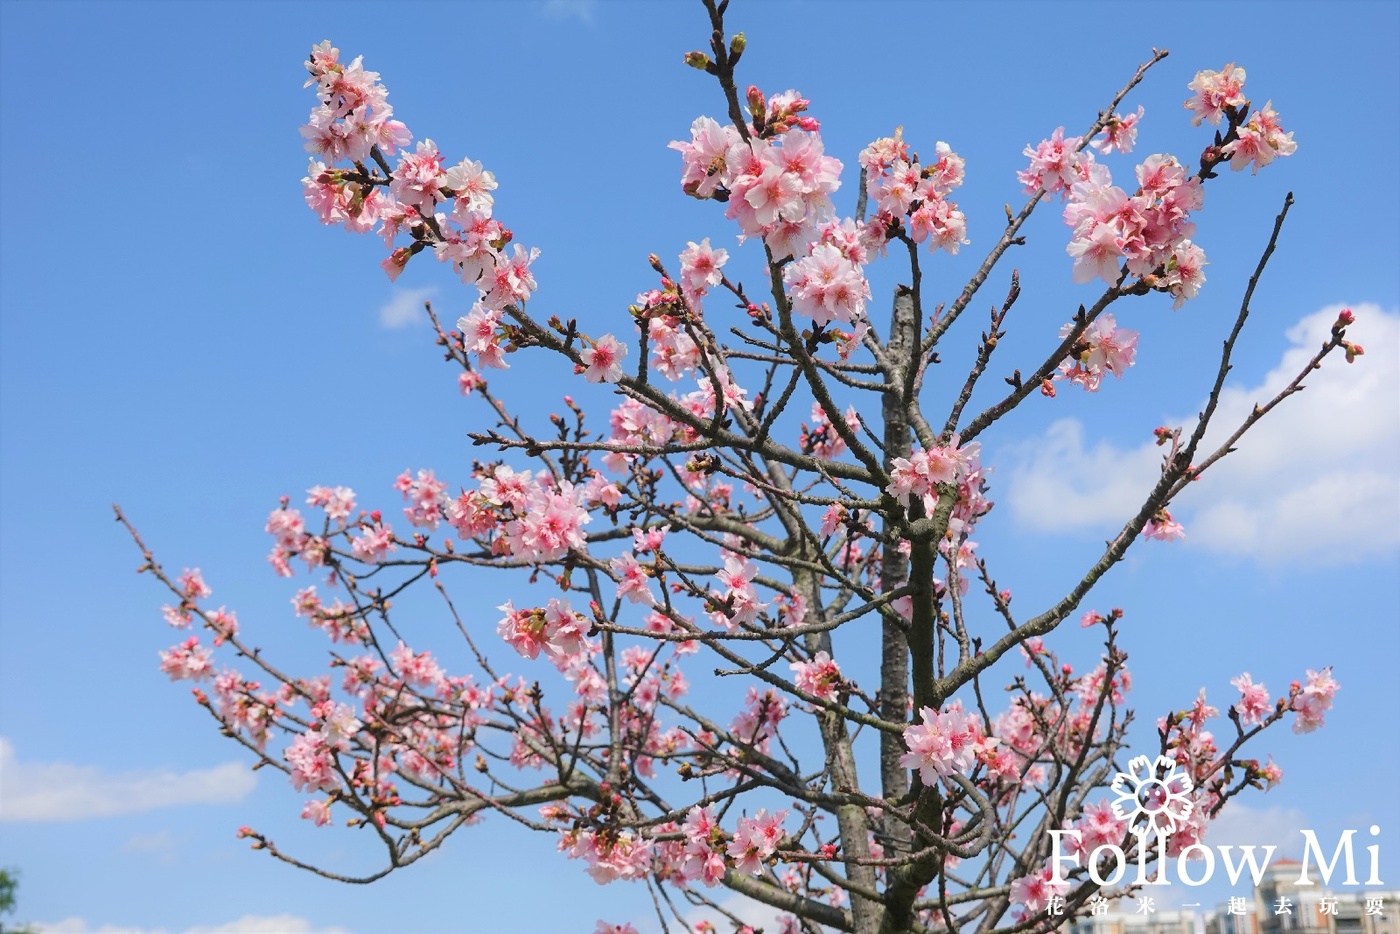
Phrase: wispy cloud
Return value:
(61, 791)
(404, 307)
(1242, 825)
(160, 845)
(581, 10)
(248, 924)
(79, 926)
(1318, 476)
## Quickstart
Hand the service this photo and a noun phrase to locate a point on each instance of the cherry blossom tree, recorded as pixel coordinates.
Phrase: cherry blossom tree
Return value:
(773, 471)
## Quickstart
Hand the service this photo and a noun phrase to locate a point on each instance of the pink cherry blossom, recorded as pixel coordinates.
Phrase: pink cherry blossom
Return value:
(418, 669)
(739, 597)
(1255, 703)
(756, 839)
(605, 928)
(1119, 134)
(1056, 164)
(1097, 255)
(700, 268)
(338, 502)
(1163, 528)
(633, 583)
(311, 763)
(556, 630)
(603, 361)
(188, 661)
(549, 526)
(319, 812)
(418, 181)
(1106, 348)
(704, 157)
(820, 677)
(1314, 700)
(1260, 141)
(471, 185)
(425, 495)
(192, 585)
(374, 543)
(1033, 892)
(940, 744)
(1215, 91)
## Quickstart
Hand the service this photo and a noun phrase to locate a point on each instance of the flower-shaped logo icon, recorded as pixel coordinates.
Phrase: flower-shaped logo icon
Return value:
(1152, 794)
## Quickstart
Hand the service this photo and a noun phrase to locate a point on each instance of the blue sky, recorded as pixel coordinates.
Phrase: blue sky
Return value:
(180, 335)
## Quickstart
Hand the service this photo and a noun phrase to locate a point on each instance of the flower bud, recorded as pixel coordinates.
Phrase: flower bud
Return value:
(698, 60)
(755, 99)
(737, 45)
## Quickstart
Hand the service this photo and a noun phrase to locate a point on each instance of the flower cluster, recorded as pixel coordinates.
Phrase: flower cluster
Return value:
(942, 744)
(353, 124)
(1313, 699)
(556, 630)
(924, 471)
(821, 437)
(425, 496)
(738, 603)
(755, 839)
(700, 270)
(777, 188)
(1148, 234)
(188, 661)
(1259, 141)
(1103, 348)
(354, 115)
(827, 285)
(820, 677)
(527, 517)
(1057, 164)
(1034, 892)
(1216, 94)
(913, 195)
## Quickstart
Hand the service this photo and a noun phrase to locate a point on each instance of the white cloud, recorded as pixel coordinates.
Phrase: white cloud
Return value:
(404, 307)
(61, 791)
(1319, 475)
(160, 845)
(248, 924)
(581, 10)
(270, 924)
(1242, 825)
(79, 926)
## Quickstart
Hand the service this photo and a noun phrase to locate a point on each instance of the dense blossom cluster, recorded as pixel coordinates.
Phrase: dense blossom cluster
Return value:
(1147, 235)
(913, 195)
(352, 123)
(708, 516)
(1103, 347)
